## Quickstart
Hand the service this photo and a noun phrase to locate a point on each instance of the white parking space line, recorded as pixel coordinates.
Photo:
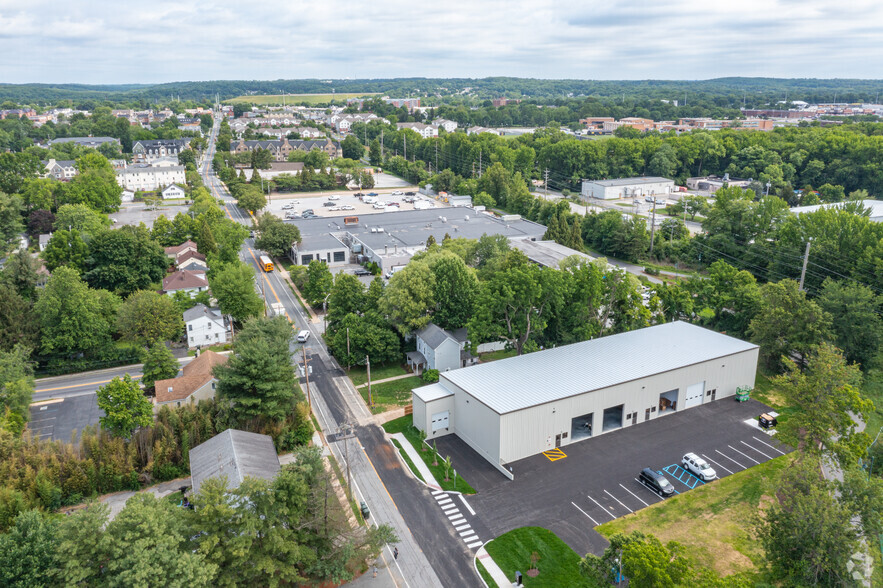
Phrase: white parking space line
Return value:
(612, 516)
(585, 513)
(717, 464)
(466, 504)
(648, 489)
(757, 450)
(768, 445)
(743, 454)
(461, 527)
(619, 501)
(732, 460)
(633, 494)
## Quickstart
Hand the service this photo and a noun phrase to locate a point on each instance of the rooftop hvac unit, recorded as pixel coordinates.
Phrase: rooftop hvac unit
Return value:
(373, 229)
(379, 229)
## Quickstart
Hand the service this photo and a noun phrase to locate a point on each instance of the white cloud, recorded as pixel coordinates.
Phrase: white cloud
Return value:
(116, 42)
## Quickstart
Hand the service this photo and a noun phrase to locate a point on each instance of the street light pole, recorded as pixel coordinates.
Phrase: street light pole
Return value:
(370, 398)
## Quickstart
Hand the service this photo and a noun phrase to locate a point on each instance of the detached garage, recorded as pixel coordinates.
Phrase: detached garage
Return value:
(514, 408)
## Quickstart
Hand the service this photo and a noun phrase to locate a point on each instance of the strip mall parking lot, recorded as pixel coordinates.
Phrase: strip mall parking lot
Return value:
(597, 480)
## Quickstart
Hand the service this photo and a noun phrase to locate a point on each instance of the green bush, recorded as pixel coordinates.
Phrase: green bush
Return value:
(651, 270)
(430, 376)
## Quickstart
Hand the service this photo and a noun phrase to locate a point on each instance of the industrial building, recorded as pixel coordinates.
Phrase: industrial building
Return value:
(514, 408)
(391, 238)
(875, 208)
(627, 188)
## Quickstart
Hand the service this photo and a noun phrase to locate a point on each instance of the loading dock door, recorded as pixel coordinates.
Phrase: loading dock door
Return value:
(440, 420)
(694, 395)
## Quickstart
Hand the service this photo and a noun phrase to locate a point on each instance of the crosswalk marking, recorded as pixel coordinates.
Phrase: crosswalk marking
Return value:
(461, 527)
(473, 545)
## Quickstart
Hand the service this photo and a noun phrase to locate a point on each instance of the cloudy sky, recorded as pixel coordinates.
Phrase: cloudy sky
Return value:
(117, 41)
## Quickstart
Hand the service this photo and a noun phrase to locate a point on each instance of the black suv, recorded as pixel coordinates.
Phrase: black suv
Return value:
(656, 482)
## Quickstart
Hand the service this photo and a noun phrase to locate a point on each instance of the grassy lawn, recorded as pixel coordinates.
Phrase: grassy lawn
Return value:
(557, 563)
(486, 576)
(495, 355)
(714, 521)
(873, 389)
(359, 375)
(217, 348)
(404, 425)
(391, 395)
(295, 98)
(408, 460)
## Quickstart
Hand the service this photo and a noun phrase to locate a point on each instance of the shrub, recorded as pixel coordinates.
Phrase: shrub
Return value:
(430, 376)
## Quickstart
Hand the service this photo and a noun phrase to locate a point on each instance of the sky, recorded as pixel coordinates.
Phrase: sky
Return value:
(112, 42)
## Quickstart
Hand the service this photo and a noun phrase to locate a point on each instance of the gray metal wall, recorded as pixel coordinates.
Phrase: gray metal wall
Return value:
(475, 423)
(532, 430)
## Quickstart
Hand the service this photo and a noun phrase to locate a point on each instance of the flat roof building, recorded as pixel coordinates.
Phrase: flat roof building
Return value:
(392, 238)
(874, 206)
(514, 408)
(627, 187)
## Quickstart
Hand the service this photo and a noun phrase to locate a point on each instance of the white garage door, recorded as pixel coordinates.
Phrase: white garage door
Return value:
(694, 395)
(440, 420)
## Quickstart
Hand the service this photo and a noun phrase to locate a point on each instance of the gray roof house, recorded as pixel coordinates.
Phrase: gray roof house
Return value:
(235, 454)
(442, 350)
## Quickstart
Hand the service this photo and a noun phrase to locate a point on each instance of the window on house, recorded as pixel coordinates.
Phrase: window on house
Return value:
(189, 327)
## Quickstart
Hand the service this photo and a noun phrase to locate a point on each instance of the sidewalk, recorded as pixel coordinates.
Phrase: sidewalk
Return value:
(375, 382)
(418, 461)
(493, 569)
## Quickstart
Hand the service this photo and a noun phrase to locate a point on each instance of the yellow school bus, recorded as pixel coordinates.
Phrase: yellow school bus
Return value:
(266, 263)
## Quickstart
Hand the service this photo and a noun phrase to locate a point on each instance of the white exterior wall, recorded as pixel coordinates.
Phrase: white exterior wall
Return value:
(190, 291)
(597, 190)
(489, 347)
(475, 423)
(149, 179)
(530, 431)
(204, 392)
(434, 407)
(418, 416)
(204, 331)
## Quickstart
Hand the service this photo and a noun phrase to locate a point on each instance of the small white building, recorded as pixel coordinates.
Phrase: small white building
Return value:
(514, 408)
(127, 196)
(206, 326)
(443, 350)
(173, 192)
(61, 169)
(148, 179)
(425, 131)
(192, 282)
(448, 125)
(627, 188)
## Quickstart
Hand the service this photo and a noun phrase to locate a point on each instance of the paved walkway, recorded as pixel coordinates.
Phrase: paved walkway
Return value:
(418, 461)
(493, 569)
(375, 382)
(117, 500)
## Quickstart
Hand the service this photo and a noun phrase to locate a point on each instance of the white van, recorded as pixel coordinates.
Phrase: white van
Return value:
(303, 336)
(369, 199)
(393, 271)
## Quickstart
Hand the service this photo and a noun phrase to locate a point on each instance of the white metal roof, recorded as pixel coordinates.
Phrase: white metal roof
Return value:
(629, 181)
(431, 392)
(545, 376)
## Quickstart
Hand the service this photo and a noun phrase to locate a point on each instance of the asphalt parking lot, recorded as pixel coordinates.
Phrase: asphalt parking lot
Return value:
(316, 202)
(133, 213)
(594, 481)
(59, 419)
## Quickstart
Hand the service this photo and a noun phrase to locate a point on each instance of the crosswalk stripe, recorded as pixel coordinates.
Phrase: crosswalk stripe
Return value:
(456, 518)
(437, 492)
(446, 500)
(461, 527)
(473, 545)
(465, 534)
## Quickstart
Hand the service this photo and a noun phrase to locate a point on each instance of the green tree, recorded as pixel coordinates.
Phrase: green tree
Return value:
(727, 298)
(856, 322)
(233, 286)
(647, 562)
(18, 325)
(10, 219)
(16, 387)
(827, 391)
(275, 237)
(206, 240)
(16, 169)
(41, 193)
(72, 317)
(125, 260)
(251, 198)
(162, 232)
(347, 296)
(28, 551)
(368, 335)
(229, 236)
(66, 248)
(147, 316)
(95, 184)
(81, 218)
(807, 535)
(20, 273)
(159, 364)
(125, 407)
(455, 288)
(374, 153)
(318, 284)
(788, 323)
(408, 299)
(352, 147)
(258, 379)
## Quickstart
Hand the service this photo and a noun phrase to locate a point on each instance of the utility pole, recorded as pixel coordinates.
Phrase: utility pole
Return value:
(307, 376)
(479, 163)
(546, 185)
(436, 156)
(405, 140)
(381, 146)
(370, 398)
(347, 349)
(805, 261)
(653, 225)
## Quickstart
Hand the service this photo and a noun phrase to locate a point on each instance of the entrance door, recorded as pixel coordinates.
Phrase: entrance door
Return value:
(440, 420)
(694, 395)
(646, 415)
(558, 440)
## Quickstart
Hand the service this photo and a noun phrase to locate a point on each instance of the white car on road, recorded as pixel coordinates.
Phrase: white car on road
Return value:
(347, 207)
(334, 197)
(397, 193)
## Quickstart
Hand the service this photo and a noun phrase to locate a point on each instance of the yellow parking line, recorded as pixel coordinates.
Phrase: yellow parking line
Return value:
(555, 454)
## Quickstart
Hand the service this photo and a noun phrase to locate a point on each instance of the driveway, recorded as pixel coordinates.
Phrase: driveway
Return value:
(594, 481)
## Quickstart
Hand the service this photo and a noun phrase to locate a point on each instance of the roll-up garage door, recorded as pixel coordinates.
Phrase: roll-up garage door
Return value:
(440, 420)
(694, 395)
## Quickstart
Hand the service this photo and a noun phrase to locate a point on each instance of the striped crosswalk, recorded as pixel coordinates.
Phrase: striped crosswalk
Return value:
(452, 511)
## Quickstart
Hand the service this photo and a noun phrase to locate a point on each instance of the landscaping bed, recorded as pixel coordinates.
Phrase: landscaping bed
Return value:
(556, 562)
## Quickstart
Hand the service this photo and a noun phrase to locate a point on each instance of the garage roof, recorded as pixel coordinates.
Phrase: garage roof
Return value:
(545, 376)
(431, 392)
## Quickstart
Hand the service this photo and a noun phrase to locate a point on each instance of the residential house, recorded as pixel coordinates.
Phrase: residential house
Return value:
(191, 260)
(148, 150)
(442, 350)
(93, 142)
(60, 169)
(234, 455)
(206, 326)
(195, 382)
(44, 240)
(127, 196)
(425, 131)
(281, 148)
(191, 281)
(149, 179)
(179, 250)
(172, 192)
(448, 125)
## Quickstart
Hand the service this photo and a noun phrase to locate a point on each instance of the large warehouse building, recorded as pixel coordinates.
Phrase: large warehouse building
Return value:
(513, 408)
(627, 188)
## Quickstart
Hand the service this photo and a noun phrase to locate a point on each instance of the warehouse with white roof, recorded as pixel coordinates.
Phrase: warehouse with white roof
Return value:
(514, 408)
